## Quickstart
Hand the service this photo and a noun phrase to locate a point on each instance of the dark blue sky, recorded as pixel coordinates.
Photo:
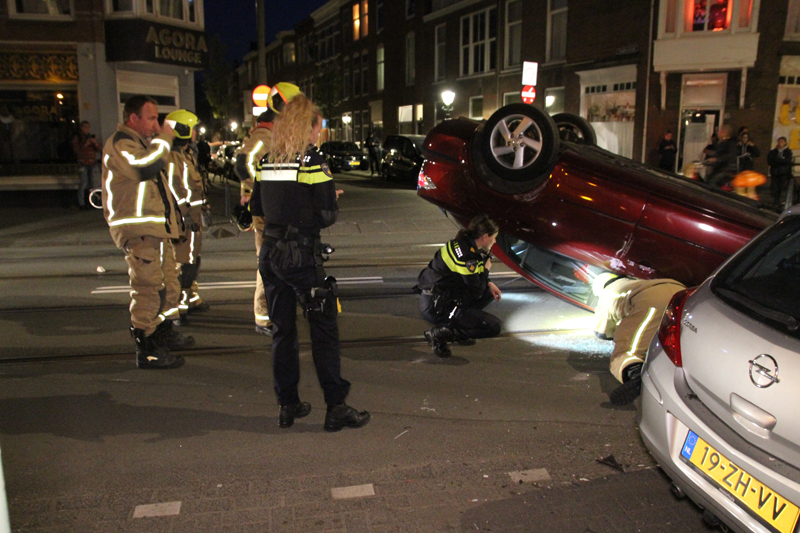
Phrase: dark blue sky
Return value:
(234, 21)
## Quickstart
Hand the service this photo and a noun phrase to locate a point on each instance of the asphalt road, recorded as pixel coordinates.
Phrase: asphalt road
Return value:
(504, 436)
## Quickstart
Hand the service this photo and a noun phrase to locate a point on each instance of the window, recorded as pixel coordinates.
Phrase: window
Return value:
(418, 112)
(410, 8)
(356, 75)
(410, 66)
(513, 33)
(707, 15)
(379, 15)
(328, 39)
(360, 20)
(554, 100)
(171, 9)
(121, 6)
(56, 9)
(479, 42)
(556, 30)
(405, 118)
(476, 107)
(439, 45)
(380, 65)
(42, 122)
(512, 98)
(346, 85)
(364, 72)
(288, 54)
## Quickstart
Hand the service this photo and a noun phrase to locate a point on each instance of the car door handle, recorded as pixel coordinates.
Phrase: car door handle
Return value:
(751, 416)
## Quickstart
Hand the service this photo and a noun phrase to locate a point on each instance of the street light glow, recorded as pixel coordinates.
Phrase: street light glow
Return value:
(346, 119)
(448, 97)
(234, 126)
(202, 130)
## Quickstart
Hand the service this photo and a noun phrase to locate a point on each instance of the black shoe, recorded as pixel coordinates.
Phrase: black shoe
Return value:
(631, 386)
(290, 412)
(170, 338)
(465, 341)
(151, 355)
(264, 330)
(181, 321)
(438, 338)
(202, 307)
(343, 416)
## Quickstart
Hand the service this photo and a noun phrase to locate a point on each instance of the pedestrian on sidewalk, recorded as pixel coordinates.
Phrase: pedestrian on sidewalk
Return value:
(629, 313)
(780, 163)
(298, 198)
(143, 217)
(746, 152)
(723, 161)
(667, 149)
(86, 147)
(374, 150)
(455, 288)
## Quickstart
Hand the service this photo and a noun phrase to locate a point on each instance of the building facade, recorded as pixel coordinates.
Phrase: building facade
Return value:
(633, 69)
(65, 61)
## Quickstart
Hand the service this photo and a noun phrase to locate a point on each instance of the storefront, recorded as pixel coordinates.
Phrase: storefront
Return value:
(608, 102)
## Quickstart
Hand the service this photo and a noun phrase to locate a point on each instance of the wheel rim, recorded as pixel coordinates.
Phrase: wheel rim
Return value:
(516, 142)
(570, 132)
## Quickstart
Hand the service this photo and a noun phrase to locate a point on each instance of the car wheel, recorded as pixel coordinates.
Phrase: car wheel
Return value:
(515, 149)
(575, 129)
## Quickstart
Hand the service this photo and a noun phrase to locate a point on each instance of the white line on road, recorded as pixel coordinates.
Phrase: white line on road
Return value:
(355, 491)
(157, 509)
(238, 285)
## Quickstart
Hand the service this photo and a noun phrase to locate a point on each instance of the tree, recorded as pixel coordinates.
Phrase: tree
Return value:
(327, 89)
(219, 81)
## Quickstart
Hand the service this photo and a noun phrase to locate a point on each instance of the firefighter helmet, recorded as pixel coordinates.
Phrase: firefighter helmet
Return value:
(281, 94)
(184, 122)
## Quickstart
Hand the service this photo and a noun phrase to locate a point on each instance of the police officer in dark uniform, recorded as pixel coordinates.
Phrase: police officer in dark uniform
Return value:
(297, 198)
(455, 288)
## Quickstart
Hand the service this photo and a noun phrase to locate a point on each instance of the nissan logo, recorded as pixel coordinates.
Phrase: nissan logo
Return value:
(764, 371)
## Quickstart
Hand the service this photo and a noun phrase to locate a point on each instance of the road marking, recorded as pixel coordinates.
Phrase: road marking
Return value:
(210, 286)
(157, 509)
(354, 491)
(529, 476)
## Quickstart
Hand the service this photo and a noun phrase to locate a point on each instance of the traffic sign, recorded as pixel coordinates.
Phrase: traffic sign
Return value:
(528, 94)
(260, 95)
(530, 70)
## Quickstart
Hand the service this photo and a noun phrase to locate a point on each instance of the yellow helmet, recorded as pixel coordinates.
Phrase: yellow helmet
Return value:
(281, 94)
(601, 280)
(184, 122)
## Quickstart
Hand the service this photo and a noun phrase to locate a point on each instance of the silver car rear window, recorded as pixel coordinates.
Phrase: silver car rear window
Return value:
(764, 280)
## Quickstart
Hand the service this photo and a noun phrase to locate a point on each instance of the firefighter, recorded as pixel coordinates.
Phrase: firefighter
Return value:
(455, 288)
(187, 183)
(248, 160)
(143, 216)
(298, 197)
(629, 312)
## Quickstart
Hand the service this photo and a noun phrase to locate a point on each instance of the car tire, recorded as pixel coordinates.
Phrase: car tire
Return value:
(575, 129)
(519, 163)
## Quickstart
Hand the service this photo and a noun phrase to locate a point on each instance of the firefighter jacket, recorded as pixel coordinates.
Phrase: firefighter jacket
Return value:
(300, 194)
(458, 270)
(186, 183)
(253, 148)
(136, 196)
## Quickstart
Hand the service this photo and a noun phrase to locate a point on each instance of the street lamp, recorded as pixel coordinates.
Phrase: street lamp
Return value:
(234, 126)
(448, 97)
(346, 118)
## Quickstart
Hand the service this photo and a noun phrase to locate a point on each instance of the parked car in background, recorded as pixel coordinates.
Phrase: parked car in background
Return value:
(721, 386)
(569, 211)
(402, 156)
(344, 155)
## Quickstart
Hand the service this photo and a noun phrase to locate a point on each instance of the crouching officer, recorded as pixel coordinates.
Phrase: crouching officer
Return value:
(187, 184)
(297, 200)
(143, 216)
(629, 312)
(455, 288)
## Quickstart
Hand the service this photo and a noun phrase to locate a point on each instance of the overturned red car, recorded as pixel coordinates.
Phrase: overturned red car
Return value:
(569, 210)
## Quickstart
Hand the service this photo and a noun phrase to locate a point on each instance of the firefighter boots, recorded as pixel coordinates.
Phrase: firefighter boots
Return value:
(150, 354)
(170, 338)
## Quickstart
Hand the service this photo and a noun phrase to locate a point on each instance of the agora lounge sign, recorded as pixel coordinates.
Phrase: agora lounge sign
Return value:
(141, 40)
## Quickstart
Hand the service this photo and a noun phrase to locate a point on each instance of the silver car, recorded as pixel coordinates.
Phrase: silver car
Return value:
(720, 404)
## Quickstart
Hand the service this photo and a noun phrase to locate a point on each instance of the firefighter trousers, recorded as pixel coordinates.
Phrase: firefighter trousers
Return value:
(260, 309)
(187, 252)
(154, 283)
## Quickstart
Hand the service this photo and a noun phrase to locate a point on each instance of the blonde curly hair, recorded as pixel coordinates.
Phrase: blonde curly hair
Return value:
(292, 129)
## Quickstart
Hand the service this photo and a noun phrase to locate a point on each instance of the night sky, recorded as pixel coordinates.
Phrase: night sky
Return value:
(234, 21)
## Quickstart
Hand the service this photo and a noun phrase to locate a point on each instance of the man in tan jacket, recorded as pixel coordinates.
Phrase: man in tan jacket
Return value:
(143, 216)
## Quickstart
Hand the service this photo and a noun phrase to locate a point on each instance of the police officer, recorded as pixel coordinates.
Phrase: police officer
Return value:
(298, 198)
(455, 288)
(629, 312)
(143, 216)
(187, 183)
(248, 163)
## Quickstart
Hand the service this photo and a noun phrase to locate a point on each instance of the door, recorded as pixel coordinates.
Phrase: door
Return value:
(697, 126)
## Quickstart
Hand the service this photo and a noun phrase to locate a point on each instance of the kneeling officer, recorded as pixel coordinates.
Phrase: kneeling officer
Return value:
(297, 198)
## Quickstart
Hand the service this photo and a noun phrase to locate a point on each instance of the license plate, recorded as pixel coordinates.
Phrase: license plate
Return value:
(354, 163)
(775, 510)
